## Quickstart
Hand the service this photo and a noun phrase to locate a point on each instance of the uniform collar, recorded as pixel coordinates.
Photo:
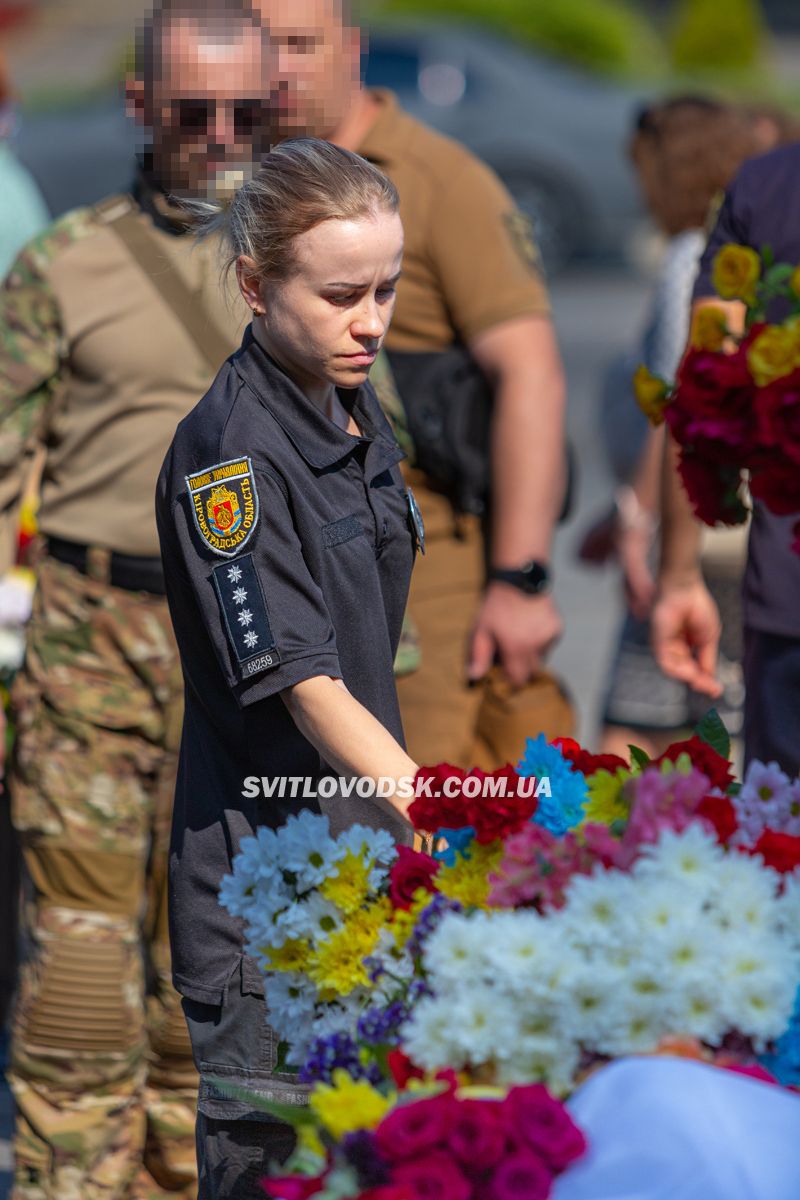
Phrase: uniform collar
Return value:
(388, 133)
(315, 436)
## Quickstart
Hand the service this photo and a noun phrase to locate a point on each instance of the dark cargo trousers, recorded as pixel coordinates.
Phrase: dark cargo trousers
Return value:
(234, 1047)
(101, 1064)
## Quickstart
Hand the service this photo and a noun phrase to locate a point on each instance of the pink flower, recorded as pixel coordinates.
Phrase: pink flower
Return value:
(293, 1187)
(433, 1177)
(537, 866)
(544, 1125)
(416, 1128)
(661, 802)
(522, 1176)
(478, 1137)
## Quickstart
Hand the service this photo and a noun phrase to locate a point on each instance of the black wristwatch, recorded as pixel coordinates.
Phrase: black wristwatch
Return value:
(532, 579)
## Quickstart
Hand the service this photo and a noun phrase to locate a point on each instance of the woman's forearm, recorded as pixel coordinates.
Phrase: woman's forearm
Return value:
(346, 734)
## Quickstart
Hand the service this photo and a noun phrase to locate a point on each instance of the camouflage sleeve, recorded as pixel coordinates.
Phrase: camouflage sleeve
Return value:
(30, 354)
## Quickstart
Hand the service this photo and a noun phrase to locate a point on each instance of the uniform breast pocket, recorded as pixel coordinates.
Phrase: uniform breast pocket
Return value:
(344, 530)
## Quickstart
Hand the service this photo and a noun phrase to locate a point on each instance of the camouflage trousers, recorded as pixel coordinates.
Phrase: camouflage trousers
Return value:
(101, 1064)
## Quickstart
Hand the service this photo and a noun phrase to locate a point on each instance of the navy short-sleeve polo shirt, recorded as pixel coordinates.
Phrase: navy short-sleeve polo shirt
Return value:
(761, 209)
(287, 552)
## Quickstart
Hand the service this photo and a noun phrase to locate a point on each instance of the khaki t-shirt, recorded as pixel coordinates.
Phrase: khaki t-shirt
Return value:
(470, 262)
(96, 362)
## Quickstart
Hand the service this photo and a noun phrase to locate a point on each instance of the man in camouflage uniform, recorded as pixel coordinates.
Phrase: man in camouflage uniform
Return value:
(112, 324)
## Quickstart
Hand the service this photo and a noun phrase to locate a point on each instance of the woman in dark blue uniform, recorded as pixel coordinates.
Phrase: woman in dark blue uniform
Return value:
(287, 545)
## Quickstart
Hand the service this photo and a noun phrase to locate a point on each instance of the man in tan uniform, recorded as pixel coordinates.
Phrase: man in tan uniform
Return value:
(470, 276)
(112, 325)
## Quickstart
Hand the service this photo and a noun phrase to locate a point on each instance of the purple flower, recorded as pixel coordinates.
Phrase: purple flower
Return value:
(361, 1151)
(328, 1054)
(767, 799)
(381, 1026)
(428, 920)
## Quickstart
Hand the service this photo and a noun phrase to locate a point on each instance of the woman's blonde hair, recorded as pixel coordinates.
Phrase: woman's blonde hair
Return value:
(301, 182)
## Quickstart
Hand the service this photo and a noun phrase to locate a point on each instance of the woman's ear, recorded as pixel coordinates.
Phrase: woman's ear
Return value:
(249, 283)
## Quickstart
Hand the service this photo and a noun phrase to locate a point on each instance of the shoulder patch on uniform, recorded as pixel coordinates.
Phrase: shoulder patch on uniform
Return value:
(520, 230)
(246, 618)
(224, 505)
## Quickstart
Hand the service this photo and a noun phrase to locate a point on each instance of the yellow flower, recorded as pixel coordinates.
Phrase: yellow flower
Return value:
(349, 887)
(338, 964)
(404, 919)
(735, 272)
(606, 802)
(468, 880)
(291, 956)
(794, 281)
(652, 394)
(775, 352)
(709, 328)
(347, 1105)
(308, 1141)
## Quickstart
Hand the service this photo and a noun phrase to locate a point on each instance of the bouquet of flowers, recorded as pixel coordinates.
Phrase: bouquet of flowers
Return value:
(735, 406)
(614, 908)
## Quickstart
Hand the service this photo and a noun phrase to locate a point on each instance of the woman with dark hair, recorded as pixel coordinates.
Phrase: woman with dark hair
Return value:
(288, 540)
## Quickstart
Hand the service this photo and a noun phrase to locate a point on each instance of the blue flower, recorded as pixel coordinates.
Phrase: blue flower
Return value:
(784, 1061)
(457, 840)
(563, 809)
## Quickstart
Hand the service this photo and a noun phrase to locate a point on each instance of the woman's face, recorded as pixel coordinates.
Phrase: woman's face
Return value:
(325, 325)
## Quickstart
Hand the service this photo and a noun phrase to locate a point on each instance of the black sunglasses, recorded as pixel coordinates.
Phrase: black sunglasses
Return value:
(198, 116)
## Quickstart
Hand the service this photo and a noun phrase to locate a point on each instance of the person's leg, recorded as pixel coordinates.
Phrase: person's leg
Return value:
(234, 1047)
(444, 718)
(81, 785)
(171, 1090)
(772, 699)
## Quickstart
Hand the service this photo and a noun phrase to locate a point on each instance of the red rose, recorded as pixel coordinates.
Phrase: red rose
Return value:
(500, 811)
(719, 812)
(712, 490)
(402, 1068)
(777, 410)
(779, 850)
(410, 871)
(414, 1129)
(432, 807)
(523, 1176)
(588, 763)
(704, 757)
(388, 1191)
(293, 1187)
(544, 1125)
(478, 1137)
(434, 1177)
(778, 486)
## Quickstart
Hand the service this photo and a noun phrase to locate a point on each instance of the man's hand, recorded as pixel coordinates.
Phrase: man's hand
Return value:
(516, 629)
(685, 634)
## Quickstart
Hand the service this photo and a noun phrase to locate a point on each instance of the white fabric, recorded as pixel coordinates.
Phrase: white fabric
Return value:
(674, 1129)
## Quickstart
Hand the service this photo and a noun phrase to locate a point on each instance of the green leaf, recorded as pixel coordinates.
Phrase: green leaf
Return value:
(767, 256)
(778, 274)
(294, 1114)
(712, 731)
(639, 758)
(281, 1057)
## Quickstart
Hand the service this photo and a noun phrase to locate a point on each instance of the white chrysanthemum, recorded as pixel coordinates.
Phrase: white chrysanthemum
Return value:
(312, 918)
(254, 866)
(236, 893)
(744, 894)
(759, 1006)
(590, 1002)
(427, 1037)
(307, 850)
(696, 1008)
(518, 944)
(290, 1003)
(598, 911)
(662, 903)
(377, 847)
(684, 947)
(638, 1027)
(686, 857)
(542, 1059)
(456, 950)
(483, 1024)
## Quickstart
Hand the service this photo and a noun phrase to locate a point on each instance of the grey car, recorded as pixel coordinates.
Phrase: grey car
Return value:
(556, 136)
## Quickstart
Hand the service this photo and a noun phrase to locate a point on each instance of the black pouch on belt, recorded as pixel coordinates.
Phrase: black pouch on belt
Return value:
(448, 405)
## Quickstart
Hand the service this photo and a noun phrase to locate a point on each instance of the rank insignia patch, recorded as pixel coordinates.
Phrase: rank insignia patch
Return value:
(224, 505)
(246, 618)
